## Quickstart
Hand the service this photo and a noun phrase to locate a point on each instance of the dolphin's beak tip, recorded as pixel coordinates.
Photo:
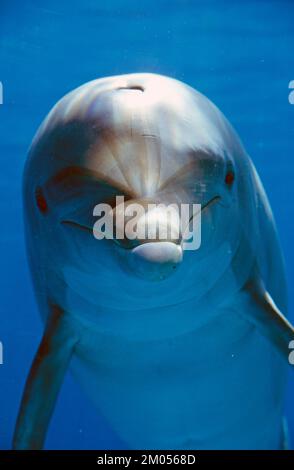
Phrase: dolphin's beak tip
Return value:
(156, 261)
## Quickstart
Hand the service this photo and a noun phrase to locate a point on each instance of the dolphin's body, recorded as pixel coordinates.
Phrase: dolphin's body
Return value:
(178, 352)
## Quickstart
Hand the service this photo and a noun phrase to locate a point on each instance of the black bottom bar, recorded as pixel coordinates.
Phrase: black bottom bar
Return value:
(136, 459)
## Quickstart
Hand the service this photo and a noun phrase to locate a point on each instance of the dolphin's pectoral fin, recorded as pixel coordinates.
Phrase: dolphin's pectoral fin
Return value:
(266, 316)
(44, 381)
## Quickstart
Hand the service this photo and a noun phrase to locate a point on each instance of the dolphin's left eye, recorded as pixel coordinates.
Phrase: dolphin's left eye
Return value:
(230, 177)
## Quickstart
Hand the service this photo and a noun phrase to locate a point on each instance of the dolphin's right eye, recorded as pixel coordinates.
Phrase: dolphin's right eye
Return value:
(41, 200)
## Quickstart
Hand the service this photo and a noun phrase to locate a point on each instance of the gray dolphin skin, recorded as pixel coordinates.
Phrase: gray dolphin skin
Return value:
(178, 349)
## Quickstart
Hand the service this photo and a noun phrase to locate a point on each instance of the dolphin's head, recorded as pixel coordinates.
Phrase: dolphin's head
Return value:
(153, 142)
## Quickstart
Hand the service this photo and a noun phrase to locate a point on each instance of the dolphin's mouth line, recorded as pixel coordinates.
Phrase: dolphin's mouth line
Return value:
(206, 205)
(71, 223)
(76, 225)
(210, 202)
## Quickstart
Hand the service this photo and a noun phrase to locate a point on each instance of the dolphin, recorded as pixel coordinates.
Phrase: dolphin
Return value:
(179, 349)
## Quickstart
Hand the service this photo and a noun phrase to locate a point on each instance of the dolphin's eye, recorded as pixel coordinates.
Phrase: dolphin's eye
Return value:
(230, 177)
(41, 201)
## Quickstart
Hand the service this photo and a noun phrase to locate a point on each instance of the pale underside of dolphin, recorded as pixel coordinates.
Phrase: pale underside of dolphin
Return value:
(178, 352)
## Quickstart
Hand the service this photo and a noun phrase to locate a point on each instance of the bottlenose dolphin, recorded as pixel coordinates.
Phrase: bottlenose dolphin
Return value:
(179, 350)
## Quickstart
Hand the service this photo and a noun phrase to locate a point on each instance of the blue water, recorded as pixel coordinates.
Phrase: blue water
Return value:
(238, 53)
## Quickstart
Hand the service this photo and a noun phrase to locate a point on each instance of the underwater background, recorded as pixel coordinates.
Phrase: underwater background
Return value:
(240, 54)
